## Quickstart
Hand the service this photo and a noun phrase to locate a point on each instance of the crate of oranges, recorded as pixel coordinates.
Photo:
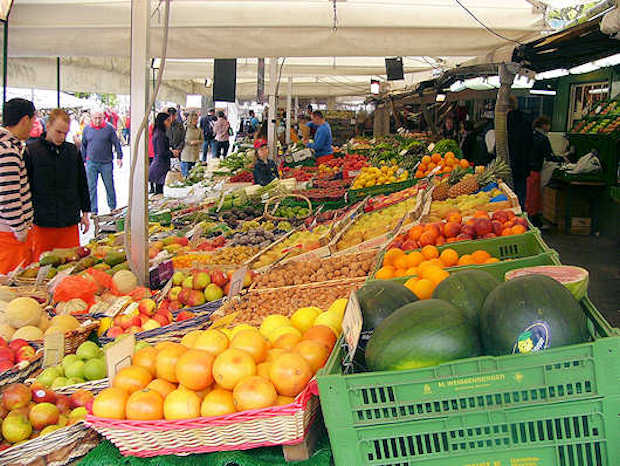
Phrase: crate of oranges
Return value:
(446, 164)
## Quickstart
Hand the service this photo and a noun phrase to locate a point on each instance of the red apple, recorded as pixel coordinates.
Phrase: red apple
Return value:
(173, 294)
(463, 237)
(451, 229)
(490, 235)
(25, 353)
(409, 245)
(173, 306)
(143, 318)
(497, 227)
(89, 406)
(3, 343)
(219, 278)
(17, 344)
(184, 315)
(5, 365)
(43, 415)
(148, 307)
(467, 230)
(42, 395)
(184, 296)
(80, 398)
(16, 395)
(7, 354)
(134, 329)
(115, 331)
(63, 403)
(521, 221)
(483, 226)
(161, 319)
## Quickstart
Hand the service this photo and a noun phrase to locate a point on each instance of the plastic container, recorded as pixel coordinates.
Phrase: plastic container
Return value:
(355, 195)
(484, 409)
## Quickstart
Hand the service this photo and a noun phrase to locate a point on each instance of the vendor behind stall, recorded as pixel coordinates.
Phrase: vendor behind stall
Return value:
(322, 144)
(265, 170)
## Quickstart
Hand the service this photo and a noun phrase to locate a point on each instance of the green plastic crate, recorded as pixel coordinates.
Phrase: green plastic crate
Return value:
(580, 433)
(354, 195)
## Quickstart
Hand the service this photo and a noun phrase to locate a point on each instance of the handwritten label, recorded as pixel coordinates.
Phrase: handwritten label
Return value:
(352, 324)
(59, 277)
(224, 321)
(13, 274)
(163, 292)
(53, 349)
(42, 274)
(118, 355)
(236, 282)
(118, 305)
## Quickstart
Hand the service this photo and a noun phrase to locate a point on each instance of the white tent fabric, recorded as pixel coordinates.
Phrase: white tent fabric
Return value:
(92, 36)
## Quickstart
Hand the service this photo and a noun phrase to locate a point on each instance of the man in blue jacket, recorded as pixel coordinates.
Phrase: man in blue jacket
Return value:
(98, 139)
(322, 144)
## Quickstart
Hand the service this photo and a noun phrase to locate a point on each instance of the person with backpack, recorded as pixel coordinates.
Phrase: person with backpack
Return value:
(208, 134)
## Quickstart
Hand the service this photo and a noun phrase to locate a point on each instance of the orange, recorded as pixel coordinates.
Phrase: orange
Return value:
(480, 256)
(411, 283)
(401, 262)
(437, 275)
(449, 257)
(263, 369)
(162, 386)
(400, 273)
(430, 252)
(252, 342)
(110, 403)
(391, 255)
(415, 232)
(145, 405)
(518, 229)
(132, 378)
(466, 259)
(284, 400)
(254, 393)
(274, 353)
(167, 361)
(213, 341)
(436, 157)
(193, 369)
(428, 237)
(449, 155)
(290, 373)
(412, 271)
(314, 352)
(447, 169)
(286, 342)
(426, 159)
(440, 241)
(323, 334)
(218, 402)
(181, 404)
(146, 358)
(231, 366)
(464, 163)
(436, 262)
(454, 216)
(385, 273)
(431, 166)
(423, 288)
(507, 231)
(415, 258)
(481, 214)
(419, 174)
(429, 269)
(491, 260)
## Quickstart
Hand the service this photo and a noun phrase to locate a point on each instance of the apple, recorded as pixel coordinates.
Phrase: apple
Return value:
(497, 227)
(200, 281)
(185, 315)
(174, 305)
(500, 215)
(5, 365)
(213, 292)
(410, 245)
(181, 240)
(188, 282)
(25, 353)
(7, 354)
(147, 307)
(134, 329)
(151, 324)
(184, 295)
(163, 321)
(196, 298)
(42, 395)
(77, 415)
(483, 226)
(219, 278)
(173, 294)
(3, 343)
(16, 395)
(43, 415)
(467, 230)
(177, 278)
(115, 331)
(63, 403)
(17, 344)
(143, 319)
(80, 398)
(521, 221)
(463, 237)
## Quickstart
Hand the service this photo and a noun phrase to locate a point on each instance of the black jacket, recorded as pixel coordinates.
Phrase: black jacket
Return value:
(265, 173)
(541, 151)
(57, 182)
(519, 143)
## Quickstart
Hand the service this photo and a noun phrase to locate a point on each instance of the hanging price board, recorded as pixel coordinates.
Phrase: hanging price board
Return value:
(352, 324)
(53, 349)
(236, 282)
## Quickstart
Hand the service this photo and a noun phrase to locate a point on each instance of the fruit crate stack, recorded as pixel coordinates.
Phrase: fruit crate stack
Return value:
(557, 407)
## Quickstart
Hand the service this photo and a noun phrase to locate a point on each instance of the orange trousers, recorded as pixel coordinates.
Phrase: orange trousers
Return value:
(13, 252)
(45, 239)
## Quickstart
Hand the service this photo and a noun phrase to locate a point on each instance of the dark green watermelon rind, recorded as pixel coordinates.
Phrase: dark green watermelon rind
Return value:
(380, 298)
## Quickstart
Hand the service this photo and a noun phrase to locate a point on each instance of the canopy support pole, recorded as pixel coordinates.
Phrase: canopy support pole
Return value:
(296, 107)
(289, 91)
(271, 126)
(58, 82)
(507, 73)
(138, 233)
(5, 54)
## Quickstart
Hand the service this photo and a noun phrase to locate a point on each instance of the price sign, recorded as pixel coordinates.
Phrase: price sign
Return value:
(118, 355)
(352, 324)
(236, 282)
(53, 349)
(120, 304)
(13, 274)
(59, 277)
(163, 292)
(224, 321)
(42, 274)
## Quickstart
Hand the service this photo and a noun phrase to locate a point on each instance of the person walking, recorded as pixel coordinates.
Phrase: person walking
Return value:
(15, 197)
(193, 140)
(98, 139)
(161, 147)
(222, 135)
(519, 145)
(208, 135)
(175, 132)
(59, 188)
(127, 129)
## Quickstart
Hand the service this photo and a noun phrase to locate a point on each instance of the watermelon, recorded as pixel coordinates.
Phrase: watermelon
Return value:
(422, 334)
(467, 290)
(573, 278)
(379, 298)
(530, 313)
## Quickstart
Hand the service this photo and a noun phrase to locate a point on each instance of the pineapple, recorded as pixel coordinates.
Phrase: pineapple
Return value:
(440, 193)
(470, 184)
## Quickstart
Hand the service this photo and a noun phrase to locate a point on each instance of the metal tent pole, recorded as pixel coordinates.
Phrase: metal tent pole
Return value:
(58, 82)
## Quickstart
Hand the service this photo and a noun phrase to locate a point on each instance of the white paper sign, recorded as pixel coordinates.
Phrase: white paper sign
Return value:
(53, 349)
(118, 355)
(42, 274)
(352, 324)
(236, 282)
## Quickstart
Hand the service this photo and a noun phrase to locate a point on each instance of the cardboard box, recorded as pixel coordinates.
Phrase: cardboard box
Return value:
(581, 225)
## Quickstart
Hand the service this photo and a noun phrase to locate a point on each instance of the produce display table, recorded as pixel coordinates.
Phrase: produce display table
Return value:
(582, 188)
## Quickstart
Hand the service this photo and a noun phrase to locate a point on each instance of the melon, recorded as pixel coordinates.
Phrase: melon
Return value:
(23, 311)
(7, 293)
(125, 281)
(380, 298)
(65, 322)
(44, 324)
(53, 329)
(422, 334)
(531, 313)
(28, 333)
(573, 278)
(6, 331)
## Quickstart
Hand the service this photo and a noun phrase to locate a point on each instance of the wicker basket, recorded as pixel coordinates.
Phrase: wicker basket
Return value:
(38, 292)
(278, 425)
(74, 338)
(269, 215)
(19, 374)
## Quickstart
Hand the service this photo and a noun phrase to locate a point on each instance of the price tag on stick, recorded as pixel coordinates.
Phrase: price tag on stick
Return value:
(42, 274)
(352, 324)
(236, 282)
(53, 349)
(118, 355)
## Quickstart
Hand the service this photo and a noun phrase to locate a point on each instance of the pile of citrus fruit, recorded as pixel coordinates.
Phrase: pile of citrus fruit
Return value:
(373, 176)
(447, 163)
(426, 266)
(218, 372)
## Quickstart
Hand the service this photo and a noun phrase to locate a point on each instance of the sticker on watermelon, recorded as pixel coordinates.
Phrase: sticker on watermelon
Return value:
(573, 278)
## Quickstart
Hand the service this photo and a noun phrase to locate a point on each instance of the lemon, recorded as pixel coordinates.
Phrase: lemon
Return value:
(240, 327)
(331, 320)
(278, 332)
(189, 339)
(303, 318)
(338, 307)
(228, 332)
(272, 322)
